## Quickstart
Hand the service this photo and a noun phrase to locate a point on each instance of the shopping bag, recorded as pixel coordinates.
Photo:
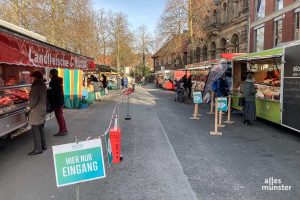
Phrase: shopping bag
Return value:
(241, 101)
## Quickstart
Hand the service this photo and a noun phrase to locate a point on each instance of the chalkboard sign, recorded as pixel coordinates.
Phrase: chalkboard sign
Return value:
(216, 72)
(291, 88)
(292, 62)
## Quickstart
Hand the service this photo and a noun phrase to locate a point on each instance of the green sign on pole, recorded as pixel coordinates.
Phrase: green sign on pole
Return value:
(108, 147)
(78, 162)
(197, 96)
(222, 104)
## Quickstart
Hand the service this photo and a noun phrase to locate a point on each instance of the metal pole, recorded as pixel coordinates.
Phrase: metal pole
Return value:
(128, 116)
(77, 191)
(78, 184)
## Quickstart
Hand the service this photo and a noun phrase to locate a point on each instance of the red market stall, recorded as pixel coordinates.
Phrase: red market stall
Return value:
(23, 52)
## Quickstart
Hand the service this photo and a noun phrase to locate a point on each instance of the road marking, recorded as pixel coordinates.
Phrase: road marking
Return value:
(192, 192)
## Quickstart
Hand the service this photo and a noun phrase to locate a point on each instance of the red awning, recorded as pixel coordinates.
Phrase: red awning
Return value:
(230, 56)
(20, 50)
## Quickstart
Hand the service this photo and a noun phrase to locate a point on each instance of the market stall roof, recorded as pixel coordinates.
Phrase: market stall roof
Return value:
(266, 55)
(22, 31)
(104, 68)
(209, 64)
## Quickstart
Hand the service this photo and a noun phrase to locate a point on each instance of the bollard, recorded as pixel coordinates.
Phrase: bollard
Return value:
(212, 103)
(229, 121)
(196, 114)
(220, 125)
(115, 138)
(215, 132)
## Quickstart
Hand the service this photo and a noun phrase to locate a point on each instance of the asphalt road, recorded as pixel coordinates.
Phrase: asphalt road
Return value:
(166, 156)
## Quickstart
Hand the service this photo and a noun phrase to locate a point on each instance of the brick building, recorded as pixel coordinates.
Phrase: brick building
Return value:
(273, 22)
(172, 55)
(227, 31)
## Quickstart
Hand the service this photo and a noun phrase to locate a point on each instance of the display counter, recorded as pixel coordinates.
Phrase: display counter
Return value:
(267, 109)
(13, 103)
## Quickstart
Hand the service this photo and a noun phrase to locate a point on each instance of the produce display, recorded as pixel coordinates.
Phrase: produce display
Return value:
(12, 97)
(268, 92)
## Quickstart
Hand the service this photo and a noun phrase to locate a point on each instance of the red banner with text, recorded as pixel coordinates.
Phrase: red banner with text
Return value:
(17, 50)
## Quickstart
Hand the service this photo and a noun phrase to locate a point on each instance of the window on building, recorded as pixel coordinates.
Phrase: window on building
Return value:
(169, 60)
(277, 32)
(259, 39)
(260, 8)
(297, 26)
(278, 4)
(159, 62)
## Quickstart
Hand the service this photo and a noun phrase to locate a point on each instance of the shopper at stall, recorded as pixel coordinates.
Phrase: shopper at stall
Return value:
(97, 88)
(126, 82)
(122, 82)
(37, 112)
(222, 87)
(56, 98)
(189, 86)
(249, 92)
(104, 82)
(185, 82)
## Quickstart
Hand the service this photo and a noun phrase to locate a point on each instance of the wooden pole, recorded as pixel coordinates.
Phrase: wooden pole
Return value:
(212, 103)
(229, 112)
(215, 132)
(196, 114)
(220, 120)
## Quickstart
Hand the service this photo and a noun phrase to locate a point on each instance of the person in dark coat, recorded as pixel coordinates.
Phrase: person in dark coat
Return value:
(222, 87)
(57, 101)
(37, 112)
(190, 85)
(249, 92)
(104, 82)
(185, 82)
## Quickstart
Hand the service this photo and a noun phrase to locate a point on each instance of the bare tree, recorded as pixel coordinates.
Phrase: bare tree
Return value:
(121, 39)
(103, 34)
(183, 21)
(143, 44)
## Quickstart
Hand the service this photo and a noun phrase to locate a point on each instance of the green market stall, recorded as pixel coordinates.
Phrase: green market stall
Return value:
(277, 78)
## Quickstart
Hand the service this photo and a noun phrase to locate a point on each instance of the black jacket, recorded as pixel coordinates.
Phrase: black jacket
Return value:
(56, 92)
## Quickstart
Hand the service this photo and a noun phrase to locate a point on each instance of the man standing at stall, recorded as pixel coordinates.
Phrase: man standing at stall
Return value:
(222, 87)
(56, 99)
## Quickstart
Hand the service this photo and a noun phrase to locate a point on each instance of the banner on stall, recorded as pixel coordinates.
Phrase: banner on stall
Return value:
(78, 162)
(197, 96)
(222, 104)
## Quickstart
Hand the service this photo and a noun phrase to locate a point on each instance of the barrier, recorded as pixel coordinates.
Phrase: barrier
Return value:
(115, 139)
(212, 104)
(216, 132)
(196, 114)
(126, 93)
(220, 125)
(229, 121)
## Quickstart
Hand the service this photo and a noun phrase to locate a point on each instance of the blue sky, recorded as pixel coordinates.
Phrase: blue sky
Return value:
(139, 12)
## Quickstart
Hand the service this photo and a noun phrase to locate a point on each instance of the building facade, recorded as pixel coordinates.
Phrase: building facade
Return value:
(172, 55)
(227, 31)
(273, 22)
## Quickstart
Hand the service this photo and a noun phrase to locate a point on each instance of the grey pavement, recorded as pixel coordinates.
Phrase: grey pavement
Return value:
(166, 156)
